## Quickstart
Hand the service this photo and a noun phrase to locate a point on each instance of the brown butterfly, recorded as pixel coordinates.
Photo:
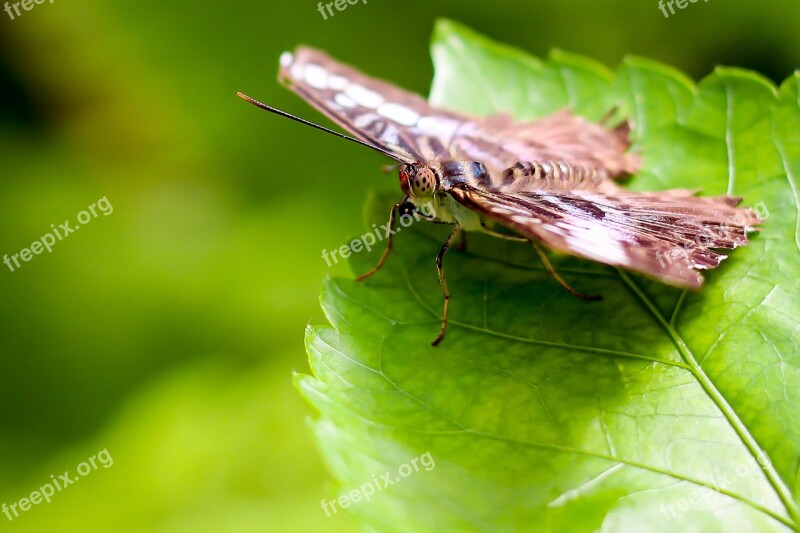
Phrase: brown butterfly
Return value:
(548, 181)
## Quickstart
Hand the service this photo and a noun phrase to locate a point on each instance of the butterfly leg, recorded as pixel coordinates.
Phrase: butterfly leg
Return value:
(443, 283)
(609, 115)
(462, 244)
(558, 278)
(546, 262)
(389, 241)
(503, 236)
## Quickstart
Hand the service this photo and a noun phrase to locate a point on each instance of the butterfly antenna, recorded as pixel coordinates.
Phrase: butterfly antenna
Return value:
(313, 125)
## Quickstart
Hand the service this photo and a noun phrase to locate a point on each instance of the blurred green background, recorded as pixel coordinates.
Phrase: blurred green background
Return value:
(167, 331)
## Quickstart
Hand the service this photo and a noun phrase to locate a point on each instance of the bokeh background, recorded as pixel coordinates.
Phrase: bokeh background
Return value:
(167, 332)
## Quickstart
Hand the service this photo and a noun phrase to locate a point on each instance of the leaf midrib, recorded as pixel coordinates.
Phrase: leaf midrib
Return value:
(719, 400)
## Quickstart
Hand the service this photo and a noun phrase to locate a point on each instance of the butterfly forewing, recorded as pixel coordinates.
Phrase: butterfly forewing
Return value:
(398, 121)
(404, 124)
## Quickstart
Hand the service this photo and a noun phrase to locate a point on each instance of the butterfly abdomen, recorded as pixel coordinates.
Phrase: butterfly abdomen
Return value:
(528, 175)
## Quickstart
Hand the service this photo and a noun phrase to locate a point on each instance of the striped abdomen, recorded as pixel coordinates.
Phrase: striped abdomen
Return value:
(527, 175)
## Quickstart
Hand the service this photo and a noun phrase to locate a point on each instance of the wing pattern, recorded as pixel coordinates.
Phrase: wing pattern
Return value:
(377, 112)
(550, 180)
(406, 125)
(666, 236)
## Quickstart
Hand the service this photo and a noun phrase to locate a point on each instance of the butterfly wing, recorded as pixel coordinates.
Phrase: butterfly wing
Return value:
(500, 142)
(376, 112)
(404, 124)
(668, 236)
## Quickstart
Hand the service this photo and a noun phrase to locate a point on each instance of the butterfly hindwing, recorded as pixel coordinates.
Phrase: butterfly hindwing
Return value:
(666, 236)
(500, 142)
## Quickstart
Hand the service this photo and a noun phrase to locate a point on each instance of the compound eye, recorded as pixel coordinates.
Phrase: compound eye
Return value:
(423, 183)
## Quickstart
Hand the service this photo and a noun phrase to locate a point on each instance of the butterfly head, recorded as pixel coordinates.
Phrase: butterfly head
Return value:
(418, 180)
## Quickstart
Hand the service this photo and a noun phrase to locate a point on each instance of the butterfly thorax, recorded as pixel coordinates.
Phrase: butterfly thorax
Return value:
(427, 186)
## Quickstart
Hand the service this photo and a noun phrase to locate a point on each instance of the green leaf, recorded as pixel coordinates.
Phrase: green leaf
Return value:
(545, 412)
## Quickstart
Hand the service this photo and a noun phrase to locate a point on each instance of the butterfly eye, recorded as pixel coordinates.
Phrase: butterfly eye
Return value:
(423, 183)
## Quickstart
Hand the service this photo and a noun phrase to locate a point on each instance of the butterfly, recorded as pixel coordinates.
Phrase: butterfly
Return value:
(550, 181)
